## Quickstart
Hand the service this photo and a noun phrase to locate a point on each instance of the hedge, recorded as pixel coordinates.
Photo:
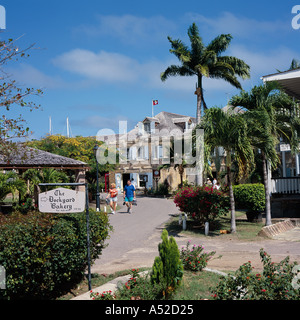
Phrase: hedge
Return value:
(44, 255)
(250, 197)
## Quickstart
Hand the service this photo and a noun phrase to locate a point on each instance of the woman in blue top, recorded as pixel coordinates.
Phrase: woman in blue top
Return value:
(129, 195)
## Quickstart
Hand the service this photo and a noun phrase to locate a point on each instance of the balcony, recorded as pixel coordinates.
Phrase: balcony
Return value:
(286, 185)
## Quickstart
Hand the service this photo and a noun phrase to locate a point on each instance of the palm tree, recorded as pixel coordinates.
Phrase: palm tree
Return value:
(272, 113)
(205, 61)
(230, 131)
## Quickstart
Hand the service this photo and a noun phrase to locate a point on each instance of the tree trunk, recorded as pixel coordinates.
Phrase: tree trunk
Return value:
(267, 194)
(232, 204)
(198, 92)
(199, 99)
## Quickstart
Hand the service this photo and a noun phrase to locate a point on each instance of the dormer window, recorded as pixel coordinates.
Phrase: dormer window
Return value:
(150, 124)
(147, 127)
(184, 123)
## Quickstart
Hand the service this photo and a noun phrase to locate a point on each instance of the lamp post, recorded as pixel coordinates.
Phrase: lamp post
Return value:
(97, 193)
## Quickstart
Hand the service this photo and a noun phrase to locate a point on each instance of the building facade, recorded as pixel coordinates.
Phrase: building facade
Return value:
(144, 152)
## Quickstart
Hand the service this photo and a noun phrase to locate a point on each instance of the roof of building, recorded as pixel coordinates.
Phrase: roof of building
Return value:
(26, 157)
(166, 122)
(151, 119)
(288, 80)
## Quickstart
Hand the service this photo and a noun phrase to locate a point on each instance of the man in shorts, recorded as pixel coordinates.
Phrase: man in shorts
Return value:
(129, 195)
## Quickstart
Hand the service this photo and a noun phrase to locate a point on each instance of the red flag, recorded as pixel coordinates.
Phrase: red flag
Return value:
(154, 102)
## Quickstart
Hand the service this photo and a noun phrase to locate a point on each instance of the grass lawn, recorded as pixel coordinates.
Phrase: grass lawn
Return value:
(196, 285)
(245, 230)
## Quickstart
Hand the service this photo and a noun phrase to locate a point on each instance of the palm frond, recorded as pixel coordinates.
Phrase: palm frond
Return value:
(174, 70)
(220, 43)
(241, 68)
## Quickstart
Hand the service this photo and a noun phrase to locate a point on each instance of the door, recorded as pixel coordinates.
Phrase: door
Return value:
(126, 177)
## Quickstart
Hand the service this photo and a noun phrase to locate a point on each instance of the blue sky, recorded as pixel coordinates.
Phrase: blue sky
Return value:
(99, 62)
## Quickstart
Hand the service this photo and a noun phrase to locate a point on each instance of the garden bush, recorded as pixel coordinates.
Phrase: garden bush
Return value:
(44, 254)
(276, 282)
(25, 206)
(250, 197)
(194, 259)
(139, 288)
(202, 203)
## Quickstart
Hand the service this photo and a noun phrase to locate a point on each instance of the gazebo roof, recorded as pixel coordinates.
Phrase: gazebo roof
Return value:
(25, 158)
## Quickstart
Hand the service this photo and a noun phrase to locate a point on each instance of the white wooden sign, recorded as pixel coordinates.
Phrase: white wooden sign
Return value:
(285, 147)
(62, 200)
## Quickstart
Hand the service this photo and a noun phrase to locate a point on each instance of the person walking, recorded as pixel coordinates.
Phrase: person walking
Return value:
(112, 194)
(129, 195)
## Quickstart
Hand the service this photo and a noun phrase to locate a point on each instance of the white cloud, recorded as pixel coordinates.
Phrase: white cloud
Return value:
(116, 68)
(28, 75)
(129, 28)
(107, 66)
(238, 26)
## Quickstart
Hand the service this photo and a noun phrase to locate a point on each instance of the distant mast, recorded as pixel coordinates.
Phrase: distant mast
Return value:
(50, 126)
(68, 129)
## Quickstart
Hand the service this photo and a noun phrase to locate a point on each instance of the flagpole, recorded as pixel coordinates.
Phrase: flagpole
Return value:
(152, 110)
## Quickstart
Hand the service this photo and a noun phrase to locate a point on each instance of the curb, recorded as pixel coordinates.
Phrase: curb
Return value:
(277, 228)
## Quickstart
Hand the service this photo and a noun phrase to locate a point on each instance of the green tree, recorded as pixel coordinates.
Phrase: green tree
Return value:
(13, 96)
(273, 116)
(78, 148)
(230, 131)
(205, 61)
(167, 268)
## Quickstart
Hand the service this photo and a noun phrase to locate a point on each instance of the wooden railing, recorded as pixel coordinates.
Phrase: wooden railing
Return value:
(286, 185)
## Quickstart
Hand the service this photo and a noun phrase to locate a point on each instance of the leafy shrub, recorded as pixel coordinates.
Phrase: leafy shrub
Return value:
(275, 283)
(139, 288)
(44, 254)
(250, 197)
(194, 259)
(163, 189)
(25, 206)
(202, 203)
(167, 268)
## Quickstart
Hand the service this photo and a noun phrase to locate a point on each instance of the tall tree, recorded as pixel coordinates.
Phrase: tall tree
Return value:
(205, 61)
(230, 131)
(274, 116)
(11, 96)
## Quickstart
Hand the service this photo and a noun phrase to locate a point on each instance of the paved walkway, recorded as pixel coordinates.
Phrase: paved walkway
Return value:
(131, 244)
(134, 243)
